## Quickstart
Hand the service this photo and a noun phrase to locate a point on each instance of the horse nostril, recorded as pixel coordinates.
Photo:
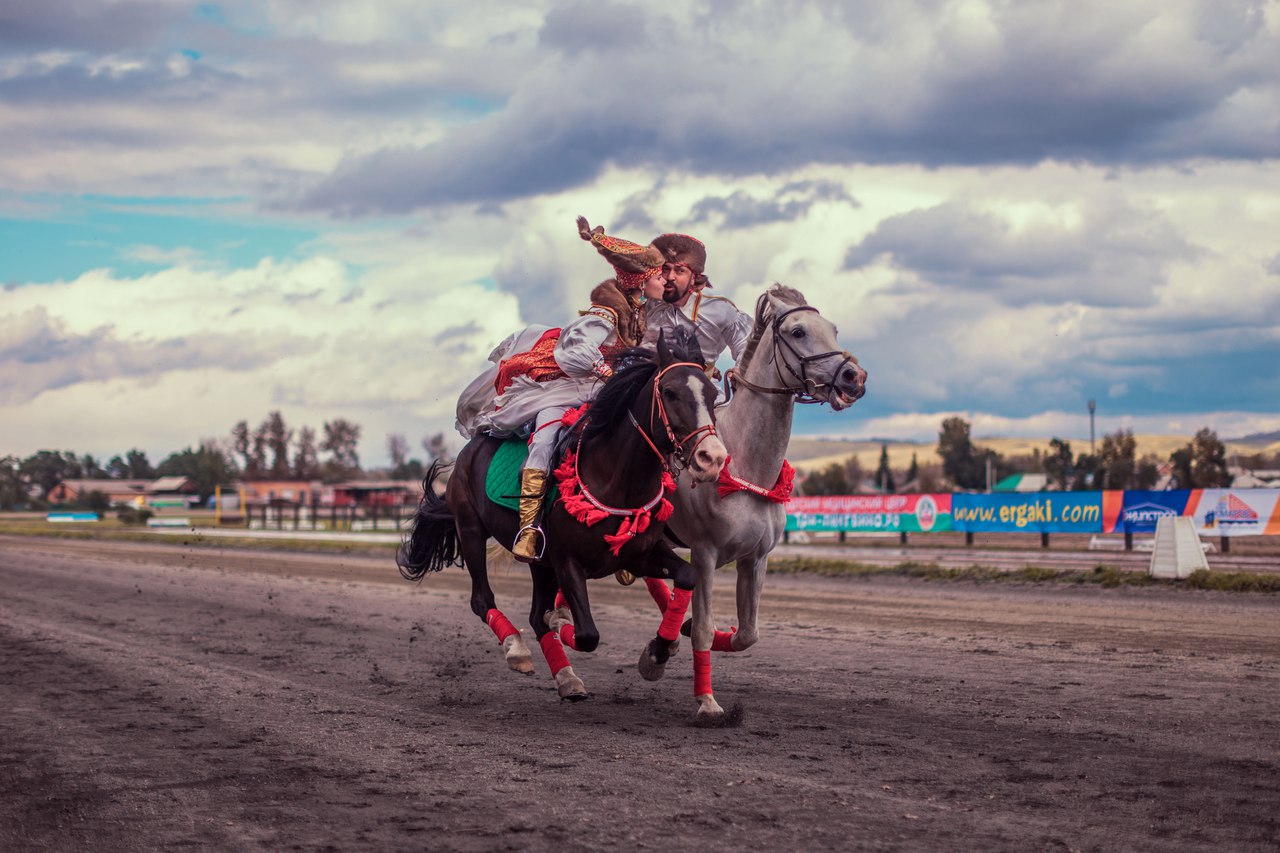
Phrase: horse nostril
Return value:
(850, 376)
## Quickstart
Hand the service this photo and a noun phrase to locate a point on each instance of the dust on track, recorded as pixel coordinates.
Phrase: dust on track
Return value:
(163, 696)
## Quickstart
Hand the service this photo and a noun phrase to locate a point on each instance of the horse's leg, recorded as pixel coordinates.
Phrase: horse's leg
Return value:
(573, 585)
(472, 539)
(653, 660)
(703, 633)
(750, 587)
(568, 685)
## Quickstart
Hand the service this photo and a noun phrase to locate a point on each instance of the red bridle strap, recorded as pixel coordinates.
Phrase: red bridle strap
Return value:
(657, 405)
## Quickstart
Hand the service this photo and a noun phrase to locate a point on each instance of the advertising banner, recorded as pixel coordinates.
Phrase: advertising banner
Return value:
(1040, 512)
(1141, 510)
(1234, 512)
(870, 513)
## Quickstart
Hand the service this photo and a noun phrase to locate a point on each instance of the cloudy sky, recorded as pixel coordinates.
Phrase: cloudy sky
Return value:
(209, 211)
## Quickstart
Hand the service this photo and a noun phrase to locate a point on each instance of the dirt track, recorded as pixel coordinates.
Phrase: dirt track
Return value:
(161, 697)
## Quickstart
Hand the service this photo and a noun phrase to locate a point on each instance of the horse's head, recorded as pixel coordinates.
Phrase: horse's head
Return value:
(683, 405)
(803, 350)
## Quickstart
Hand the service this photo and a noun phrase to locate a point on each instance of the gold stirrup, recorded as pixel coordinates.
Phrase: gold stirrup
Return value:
(624, 577)
(533, 483)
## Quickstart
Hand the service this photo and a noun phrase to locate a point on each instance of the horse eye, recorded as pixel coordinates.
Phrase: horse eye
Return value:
(669, 394)
(798, 332)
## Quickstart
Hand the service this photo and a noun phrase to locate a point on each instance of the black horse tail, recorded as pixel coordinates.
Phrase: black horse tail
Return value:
(431, 542)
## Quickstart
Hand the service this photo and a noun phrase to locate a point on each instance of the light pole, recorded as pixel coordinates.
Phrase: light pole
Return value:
(1093, 407)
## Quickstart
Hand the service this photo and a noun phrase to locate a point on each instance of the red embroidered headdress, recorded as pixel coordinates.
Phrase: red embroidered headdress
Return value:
(632, 263)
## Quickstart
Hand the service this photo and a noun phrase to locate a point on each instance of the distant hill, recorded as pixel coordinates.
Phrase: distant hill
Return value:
(809, 454)
(1263, 438)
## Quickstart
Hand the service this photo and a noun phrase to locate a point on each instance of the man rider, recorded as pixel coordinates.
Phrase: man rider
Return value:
(717, 322)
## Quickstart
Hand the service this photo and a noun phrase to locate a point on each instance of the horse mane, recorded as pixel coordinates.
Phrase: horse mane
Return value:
(634, 368)
(783, 293)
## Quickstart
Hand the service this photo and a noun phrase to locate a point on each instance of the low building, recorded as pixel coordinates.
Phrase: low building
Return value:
(160, 492)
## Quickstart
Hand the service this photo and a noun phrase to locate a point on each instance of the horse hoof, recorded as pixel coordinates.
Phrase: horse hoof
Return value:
(650, 669)
(569, 686)
(558, 618)
(708, 707)
(517, 655)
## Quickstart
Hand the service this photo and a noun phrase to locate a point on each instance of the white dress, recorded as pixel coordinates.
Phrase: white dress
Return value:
(578, 353)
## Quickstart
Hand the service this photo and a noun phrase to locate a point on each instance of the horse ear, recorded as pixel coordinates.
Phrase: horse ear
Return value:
(664, 350)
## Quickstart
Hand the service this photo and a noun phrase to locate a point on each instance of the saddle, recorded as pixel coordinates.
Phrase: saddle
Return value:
(502, 480)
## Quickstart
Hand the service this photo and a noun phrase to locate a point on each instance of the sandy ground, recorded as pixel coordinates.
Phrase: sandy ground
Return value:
(156, 696)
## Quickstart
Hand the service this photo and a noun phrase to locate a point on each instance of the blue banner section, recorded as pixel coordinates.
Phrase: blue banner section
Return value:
(1039, 512)
(1141, 510)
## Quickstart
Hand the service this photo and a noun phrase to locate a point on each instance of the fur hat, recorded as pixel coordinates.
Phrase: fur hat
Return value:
(633, 263)
(683, 249)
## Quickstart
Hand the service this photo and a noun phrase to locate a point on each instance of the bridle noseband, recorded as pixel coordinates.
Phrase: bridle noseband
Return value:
(806, 392)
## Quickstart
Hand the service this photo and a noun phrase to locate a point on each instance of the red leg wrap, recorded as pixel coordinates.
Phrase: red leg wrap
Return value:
(720, 642)
(553, 652)
(566, 637)
(673, 616)
(560, 601)
(500, 625)
(701, 673)
(660, 591)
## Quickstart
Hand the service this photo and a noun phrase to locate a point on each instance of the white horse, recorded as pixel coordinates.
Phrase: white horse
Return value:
(792, 356)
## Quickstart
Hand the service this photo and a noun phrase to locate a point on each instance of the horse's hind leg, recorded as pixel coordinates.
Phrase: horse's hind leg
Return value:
(472, 539)
(568, 685)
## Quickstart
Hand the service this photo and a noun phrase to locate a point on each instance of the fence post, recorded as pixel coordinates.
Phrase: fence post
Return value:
(902, 537)
(1225, 542)
(1044, 539)
(968, 537)
(1128, 540)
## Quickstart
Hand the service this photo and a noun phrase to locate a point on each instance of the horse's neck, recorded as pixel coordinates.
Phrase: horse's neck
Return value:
(756, 427)
(620, 468)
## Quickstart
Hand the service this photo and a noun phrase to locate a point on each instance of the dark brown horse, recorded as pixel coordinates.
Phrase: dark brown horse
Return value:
(615, 476)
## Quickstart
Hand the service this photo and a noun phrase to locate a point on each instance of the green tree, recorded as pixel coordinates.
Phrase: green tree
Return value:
(838, 478)
(306, 461)
(13, 489)
(1117, 460)
(276, 438)
(251, 461)
(1059, 463)
(1208, 461)
(1147, 472)
(341, 439)
(962, 462)
(436, 448)
(47, 468)
(90, 469)
(133, 466)
(884, 474)
(913, 472)
(207, 466)
(1180, 460)
(1088, 474)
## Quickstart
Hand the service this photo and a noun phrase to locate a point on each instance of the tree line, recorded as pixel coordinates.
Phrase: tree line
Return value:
(963, 465)
(270, 451)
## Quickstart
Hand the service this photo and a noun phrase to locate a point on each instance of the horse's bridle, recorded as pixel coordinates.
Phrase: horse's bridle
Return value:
(658, 409)
(808, 387)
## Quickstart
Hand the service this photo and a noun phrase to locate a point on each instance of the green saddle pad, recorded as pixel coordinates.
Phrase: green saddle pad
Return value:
(502, 481)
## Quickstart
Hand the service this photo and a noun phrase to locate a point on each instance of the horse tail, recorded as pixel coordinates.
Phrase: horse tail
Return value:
(431, 542)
